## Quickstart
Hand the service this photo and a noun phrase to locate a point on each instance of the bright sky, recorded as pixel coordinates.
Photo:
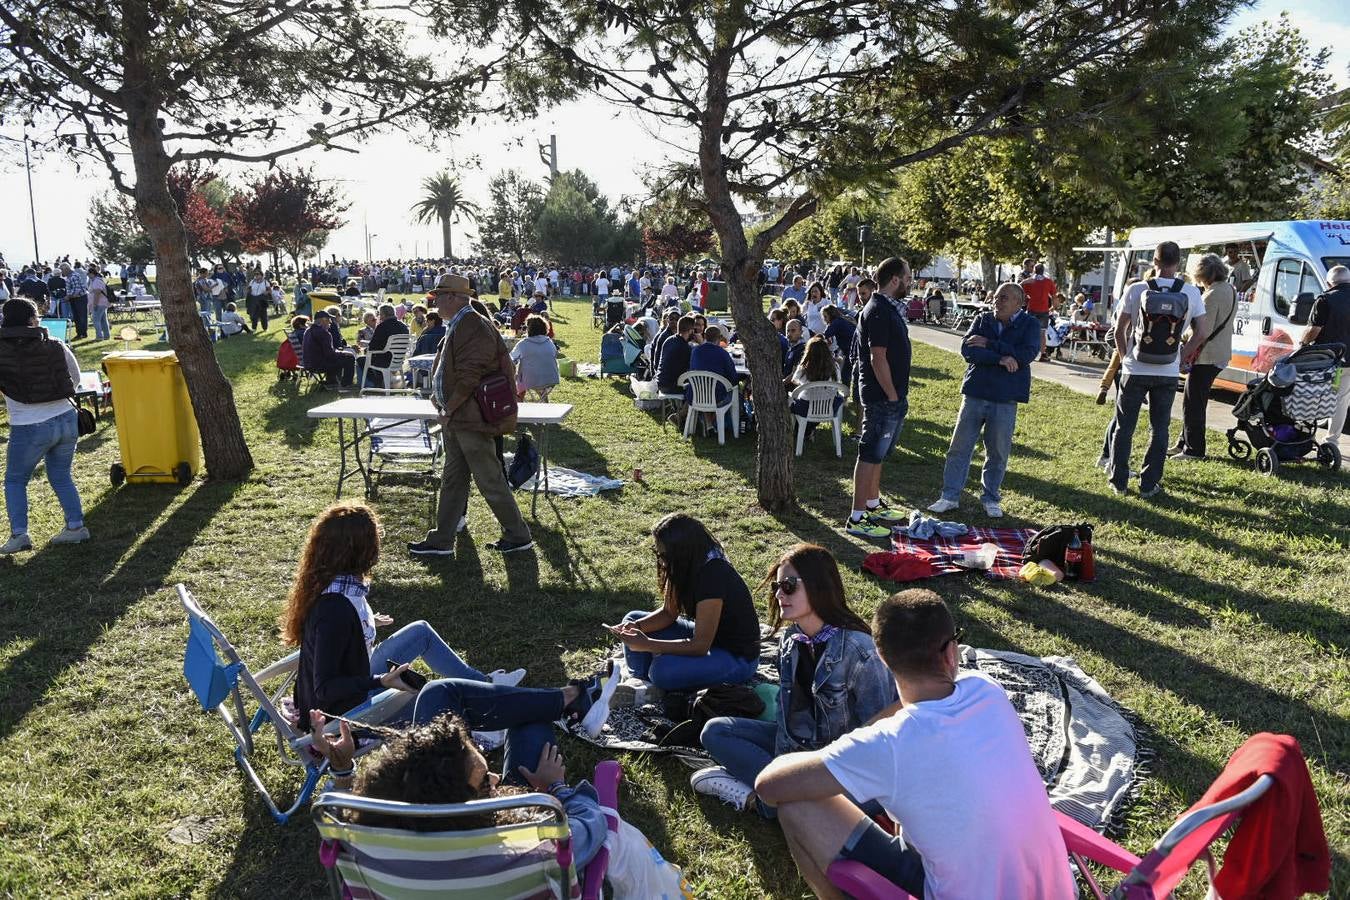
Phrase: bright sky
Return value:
(383, 180)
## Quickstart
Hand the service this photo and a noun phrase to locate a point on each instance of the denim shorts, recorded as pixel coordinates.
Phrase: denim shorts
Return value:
(881, 425)
(886, 855)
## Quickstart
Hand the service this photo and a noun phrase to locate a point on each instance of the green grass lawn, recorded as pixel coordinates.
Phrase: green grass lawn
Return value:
(1221, 610)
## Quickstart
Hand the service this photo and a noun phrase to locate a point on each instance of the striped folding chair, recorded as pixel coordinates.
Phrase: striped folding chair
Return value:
(222, 684)
(529, 860)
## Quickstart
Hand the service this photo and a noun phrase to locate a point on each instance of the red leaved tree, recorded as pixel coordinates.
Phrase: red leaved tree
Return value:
(676, 242)
(204, 225)
(287, 211)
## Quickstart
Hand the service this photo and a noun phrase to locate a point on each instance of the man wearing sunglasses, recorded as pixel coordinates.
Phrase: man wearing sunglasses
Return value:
(949, 762)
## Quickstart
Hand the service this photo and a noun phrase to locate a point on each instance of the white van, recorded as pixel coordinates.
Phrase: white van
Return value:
(1289, 261)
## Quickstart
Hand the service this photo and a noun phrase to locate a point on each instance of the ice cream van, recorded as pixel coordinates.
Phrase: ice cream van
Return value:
(1288, 262)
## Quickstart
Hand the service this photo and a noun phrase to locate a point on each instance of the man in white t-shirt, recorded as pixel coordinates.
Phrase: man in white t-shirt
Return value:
(949, 762)
(1152, 355)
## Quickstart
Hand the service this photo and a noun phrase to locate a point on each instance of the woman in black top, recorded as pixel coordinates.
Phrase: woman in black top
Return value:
(328, 615)
(706, 631)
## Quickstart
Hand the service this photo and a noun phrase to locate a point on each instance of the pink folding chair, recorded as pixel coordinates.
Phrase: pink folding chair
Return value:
(1154, 876)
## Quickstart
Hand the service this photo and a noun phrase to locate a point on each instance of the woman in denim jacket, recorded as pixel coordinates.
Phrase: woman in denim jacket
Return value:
(830, 679)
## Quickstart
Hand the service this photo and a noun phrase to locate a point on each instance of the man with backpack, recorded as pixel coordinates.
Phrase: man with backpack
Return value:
(1153, 316)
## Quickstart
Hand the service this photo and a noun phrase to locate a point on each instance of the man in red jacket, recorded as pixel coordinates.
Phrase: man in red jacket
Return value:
(1040, 291)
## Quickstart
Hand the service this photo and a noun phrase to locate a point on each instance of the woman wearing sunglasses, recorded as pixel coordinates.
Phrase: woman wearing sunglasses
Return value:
(830, 679)
(706, 631)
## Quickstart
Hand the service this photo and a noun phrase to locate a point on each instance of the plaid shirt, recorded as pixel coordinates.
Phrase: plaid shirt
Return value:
(356, 591)
(77, 283)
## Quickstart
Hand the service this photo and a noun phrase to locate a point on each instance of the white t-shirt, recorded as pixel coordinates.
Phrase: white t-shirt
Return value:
(815, 322)
(957, 775)
(1134, 295)
(602, 286)
(541, 283)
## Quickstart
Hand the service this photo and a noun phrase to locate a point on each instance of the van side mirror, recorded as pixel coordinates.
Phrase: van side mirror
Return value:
(1302, 310)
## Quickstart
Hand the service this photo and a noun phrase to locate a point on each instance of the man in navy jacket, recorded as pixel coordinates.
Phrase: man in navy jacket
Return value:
(998, 349)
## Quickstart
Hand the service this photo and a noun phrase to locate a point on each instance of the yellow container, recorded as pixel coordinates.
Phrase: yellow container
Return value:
(156, 428)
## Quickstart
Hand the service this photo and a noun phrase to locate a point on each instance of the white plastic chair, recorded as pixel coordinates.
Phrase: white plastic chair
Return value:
(820, 408)
(705, 385)
(399, 346)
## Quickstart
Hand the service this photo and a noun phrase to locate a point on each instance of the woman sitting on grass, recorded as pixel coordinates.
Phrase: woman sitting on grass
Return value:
(329, 616)
(830, 679)
(706, 631)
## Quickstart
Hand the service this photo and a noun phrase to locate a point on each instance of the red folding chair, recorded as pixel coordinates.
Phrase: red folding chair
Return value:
(1154, 876)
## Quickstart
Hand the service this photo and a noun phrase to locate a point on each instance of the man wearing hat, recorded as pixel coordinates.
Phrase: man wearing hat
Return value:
(471, 351)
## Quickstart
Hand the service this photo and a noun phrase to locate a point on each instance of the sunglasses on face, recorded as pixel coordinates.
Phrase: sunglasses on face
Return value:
(788, 585)
(959, 636)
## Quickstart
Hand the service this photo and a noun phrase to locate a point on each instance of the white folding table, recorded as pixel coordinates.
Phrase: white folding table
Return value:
(394, 411)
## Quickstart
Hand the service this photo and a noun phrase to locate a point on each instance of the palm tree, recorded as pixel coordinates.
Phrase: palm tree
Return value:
(443, 201)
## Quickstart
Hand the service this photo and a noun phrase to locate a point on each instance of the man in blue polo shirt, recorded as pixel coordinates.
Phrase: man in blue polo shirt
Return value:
(998, 349)
(883, 357)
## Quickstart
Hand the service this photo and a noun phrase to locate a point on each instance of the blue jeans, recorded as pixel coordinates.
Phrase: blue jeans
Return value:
(419, 639)
(996, 421)
(744, 747)
(881, 426)
(1161, 390)
(670, 672)
(54, 442)
(102, 330)
(527, 715)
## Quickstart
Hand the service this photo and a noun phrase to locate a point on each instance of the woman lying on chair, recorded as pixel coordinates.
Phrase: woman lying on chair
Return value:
(437, 762)
(328, 614)
(706, 631)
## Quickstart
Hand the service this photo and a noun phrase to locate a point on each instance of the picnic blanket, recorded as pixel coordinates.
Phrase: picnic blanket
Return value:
(1090, 750)
(568, 482)
(940, 552)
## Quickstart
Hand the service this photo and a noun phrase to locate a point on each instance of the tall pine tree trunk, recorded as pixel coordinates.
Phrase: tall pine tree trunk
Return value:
(223, 444)
(774, 456)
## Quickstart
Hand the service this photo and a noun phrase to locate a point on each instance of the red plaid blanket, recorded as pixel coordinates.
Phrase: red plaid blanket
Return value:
(940, 551)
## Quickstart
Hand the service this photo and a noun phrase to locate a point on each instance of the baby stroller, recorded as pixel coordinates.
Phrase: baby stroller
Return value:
(1279, 414)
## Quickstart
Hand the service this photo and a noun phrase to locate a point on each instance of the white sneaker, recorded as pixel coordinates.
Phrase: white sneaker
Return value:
(993, 510)
(716, 781)
(17, 544)
(594, 720)
(71, 536)
(942, 506)
(510, 679)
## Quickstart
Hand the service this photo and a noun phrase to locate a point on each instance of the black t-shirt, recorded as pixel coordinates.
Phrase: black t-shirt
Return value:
(1331, 313)
(738, 631)
(881, 325)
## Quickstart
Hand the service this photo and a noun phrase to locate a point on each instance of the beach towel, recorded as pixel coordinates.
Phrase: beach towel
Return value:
(941, 552)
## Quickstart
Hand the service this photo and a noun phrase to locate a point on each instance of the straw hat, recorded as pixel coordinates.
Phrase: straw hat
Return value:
(454, 284)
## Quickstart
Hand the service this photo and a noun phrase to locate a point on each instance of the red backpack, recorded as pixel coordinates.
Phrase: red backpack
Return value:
(287, 361)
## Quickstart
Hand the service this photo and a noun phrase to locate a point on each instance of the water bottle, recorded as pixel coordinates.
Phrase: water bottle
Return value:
(1073, 558)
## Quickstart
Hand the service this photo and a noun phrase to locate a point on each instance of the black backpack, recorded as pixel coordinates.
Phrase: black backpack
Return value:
(1162, 318)
(1050, 543)
(525, 465)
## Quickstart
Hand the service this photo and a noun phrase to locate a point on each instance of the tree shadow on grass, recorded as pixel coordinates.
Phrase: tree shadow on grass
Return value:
(61, 602)
(289, 415)
(1252, 707)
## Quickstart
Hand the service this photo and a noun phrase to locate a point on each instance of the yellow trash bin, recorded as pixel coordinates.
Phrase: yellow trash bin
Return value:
(156, 428)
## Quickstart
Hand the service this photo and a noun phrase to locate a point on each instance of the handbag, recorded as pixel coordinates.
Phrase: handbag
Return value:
(496, 398)
(84, 420)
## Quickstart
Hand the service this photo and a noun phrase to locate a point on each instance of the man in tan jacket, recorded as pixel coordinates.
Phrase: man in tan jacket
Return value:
(471, 351)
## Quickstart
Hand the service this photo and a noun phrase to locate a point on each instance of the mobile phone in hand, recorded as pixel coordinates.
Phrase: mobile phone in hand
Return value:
(412, 679)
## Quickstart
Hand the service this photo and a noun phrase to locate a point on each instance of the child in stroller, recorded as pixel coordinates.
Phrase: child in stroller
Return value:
(1279, 414)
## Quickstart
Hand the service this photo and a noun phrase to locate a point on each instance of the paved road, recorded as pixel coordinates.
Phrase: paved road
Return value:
(1081, 377)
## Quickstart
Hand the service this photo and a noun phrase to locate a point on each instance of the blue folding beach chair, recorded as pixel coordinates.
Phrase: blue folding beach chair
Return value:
(217, 683)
